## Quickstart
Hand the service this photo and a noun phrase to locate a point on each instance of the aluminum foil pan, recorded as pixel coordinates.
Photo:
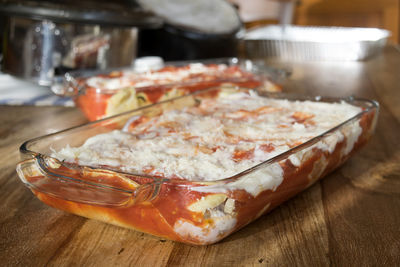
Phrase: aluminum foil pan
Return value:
(314, 43)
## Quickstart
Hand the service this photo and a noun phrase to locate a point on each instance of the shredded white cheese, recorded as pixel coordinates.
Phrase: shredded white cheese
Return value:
(218, 139)
(160, 77)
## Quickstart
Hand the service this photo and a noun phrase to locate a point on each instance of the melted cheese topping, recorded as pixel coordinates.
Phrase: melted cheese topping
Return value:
(191, 73)
(215, 140)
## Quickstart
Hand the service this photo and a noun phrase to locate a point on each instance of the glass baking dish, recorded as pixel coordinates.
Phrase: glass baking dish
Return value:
(194, 212)
(97, 103)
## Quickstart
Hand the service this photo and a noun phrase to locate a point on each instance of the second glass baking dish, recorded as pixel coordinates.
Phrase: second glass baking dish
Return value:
(125, 89)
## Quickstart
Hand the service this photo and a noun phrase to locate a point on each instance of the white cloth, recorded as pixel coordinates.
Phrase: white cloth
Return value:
(18, 92)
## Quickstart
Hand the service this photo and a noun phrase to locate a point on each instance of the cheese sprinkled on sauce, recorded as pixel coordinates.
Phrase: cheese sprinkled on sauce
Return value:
(168, 75)
(217, 139)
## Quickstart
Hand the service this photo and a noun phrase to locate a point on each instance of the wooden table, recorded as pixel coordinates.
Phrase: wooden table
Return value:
(350, 218)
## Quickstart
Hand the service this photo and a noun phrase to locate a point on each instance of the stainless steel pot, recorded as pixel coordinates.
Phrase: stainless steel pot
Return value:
(46, 40)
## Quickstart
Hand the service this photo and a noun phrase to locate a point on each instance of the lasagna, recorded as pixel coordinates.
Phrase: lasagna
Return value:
(105, 95)
(204, 170)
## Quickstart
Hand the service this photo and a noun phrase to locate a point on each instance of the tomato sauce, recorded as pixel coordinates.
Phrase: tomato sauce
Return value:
(93, 104)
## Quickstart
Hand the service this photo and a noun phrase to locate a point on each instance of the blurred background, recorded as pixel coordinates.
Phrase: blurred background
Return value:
(355, 13)
(45, 38)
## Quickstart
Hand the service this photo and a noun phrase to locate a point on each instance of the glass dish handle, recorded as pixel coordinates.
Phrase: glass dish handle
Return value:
(46, 183)
(66, 86)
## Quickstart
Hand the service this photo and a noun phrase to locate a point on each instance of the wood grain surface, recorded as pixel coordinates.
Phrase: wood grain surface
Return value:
(350, 218)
